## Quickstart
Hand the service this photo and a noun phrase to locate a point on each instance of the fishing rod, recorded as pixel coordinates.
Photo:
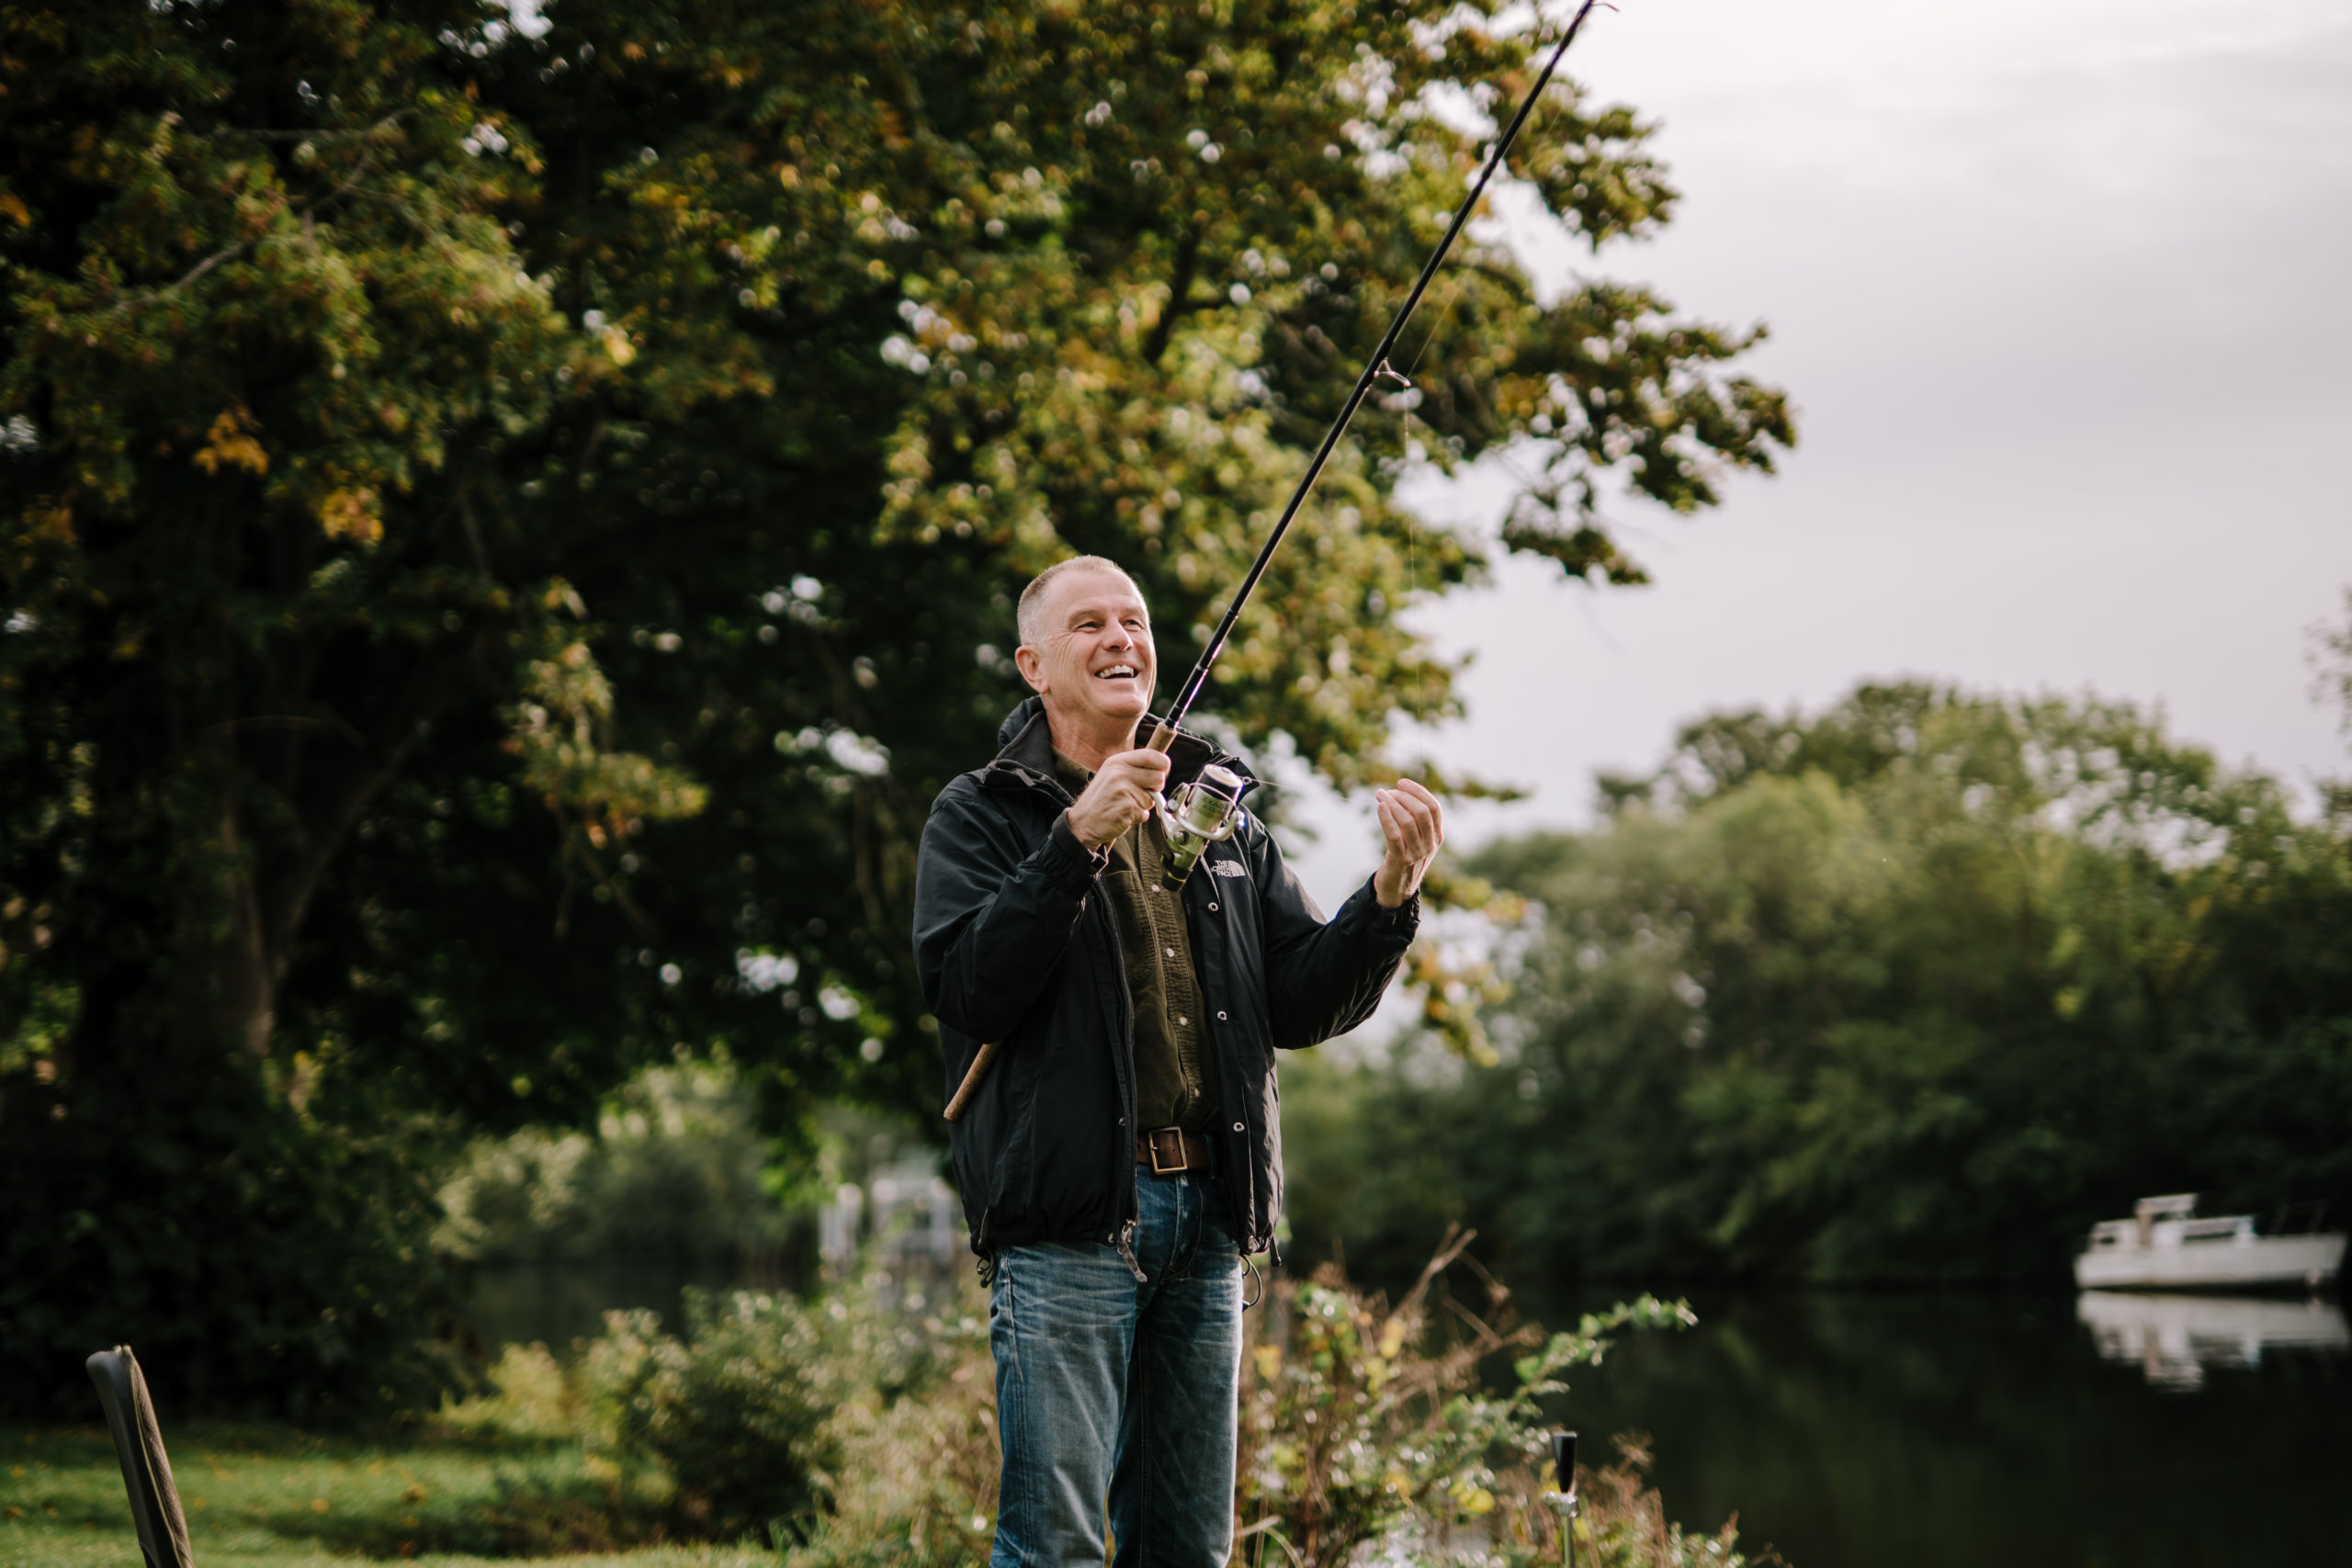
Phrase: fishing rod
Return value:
(1164, 735)
(1207, 809)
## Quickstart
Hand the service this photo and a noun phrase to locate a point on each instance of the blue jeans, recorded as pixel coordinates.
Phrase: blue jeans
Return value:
(1118, 1396)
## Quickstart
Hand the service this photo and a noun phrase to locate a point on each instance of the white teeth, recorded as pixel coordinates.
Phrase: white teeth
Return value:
(1128, 669)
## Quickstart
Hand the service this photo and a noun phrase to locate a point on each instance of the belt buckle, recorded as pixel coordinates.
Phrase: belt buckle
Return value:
(1175, 1136)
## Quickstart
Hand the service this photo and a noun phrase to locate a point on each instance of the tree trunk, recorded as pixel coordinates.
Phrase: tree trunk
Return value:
(245, 985)
(227, 999)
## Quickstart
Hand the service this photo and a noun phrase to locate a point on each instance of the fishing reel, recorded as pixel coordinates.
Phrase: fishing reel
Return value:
(1200, 812)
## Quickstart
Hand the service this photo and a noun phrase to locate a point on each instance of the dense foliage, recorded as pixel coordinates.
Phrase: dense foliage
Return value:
(860, 1427)
(506, 521)
(1369, 1428)
(675, 1170)
(1917, 988)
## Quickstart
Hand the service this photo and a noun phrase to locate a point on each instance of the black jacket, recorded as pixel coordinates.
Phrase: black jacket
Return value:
(1015, 942)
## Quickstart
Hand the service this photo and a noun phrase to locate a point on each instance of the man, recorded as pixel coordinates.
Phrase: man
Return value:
(1124, 1154)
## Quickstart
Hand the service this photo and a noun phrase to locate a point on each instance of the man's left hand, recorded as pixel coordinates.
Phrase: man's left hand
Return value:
(1414, 824)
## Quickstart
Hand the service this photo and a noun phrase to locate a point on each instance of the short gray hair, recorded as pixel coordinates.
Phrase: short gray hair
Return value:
(1025, 614)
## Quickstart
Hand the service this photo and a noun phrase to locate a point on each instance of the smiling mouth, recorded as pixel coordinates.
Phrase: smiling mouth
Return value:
(1116, 672)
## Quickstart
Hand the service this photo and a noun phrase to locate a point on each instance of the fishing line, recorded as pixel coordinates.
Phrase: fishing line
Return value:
(1377, 369)
(1444, 314)
(1412, 585)
(1412, 419)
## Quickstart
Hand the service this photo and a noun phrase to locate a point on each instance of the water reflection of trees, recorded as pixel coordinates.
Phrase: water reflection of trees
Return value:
(1864, 1429)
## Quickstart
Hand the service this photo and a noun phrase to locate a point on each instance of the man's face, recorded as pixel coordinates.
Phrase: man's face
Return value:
(1092, 660)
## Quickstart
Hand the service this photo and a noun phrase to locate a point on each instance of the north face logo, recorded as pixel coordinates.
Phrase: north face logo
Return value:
(1227, 868)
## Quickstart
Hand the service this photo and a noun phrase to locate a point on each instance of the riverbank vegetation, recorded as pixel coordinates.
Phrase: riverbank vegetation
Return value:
(675, 1170)
(1912, 988)
(856, 1427)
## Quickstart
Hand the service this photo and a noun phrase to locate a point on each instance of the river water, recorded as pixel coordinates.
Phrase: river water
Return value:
(1998, 1431)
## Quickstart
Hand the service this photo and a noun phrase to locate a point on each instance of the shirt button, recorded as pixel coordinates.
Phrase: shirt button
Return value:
(1212, 906)
(1237, 1126)
(1220, 1018)
(1172, 953)
(1181, 1022)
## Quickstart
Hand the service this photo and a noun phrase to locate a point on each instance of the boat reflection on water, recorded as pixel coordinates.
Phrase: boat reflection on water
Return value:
(2175, 1339)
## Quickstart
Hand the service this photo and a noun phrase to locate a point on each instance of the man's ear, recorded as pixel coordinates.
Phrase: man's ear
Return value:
(1033, 668)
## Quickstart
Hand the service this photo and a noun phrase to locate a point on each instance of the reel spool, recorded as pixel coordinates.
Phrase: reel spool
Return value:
(1202, 811)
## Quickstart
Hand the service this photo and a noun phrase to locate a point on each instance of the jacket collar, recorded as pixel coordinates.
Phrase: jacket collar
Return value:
(1027, 758)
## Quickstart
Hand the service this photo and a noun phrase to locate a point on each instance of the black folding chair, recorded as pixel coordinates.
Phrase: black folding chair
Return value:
(138, 1444)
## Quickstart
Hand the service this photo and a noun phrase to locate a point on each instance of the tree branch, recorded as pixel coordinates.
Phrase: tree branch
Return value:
(326, 824)
(332, 724)
(1180, 302)
(228, 252)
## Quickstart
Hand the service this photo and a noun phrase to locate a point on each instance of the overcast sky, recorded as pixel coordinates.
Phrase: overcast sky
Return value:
(2062, 291)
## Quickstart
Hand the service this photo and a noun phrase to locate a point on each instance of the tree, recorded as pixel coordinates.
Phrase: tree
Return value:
(2330, 654)
(510, 520)
(1916, 987)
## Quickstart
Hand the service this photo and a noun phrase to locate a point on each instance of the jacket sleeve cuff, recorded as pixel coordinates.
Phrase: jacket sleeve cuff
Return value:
(1072, 865)
(1401, 922)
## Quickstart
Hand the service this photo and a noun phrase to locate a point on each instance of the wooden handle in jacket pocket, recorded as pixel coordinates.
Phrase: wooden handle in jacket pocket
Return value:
(972, 1077)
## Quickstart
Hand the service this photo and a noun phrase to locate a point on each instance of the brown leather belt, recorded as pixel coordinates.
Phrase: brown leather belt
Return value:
(1168, 1150)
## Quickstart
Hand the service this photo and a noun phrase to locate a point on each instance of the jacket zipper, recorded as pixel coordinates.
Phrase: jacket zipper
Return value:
(1124, 1150)
(1241, 1185)
(1125, 1181)
(1124, 1177)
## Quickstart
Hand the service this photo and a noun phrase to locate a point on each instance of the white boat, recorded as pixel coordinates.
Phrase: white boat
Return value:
(2165, 1247)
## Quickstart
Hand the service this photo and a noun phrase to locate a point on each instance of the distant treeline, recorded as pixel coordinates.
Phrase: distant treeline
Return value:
(1914, 989)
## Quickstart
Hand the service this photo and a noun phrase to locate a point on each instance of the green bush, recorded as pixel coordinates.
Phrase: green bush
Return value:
(917, 1477)
(675, 1168)
(260, 1262)
(530, 1397)
(1363, 1423)
(858, 1430)
(743, 1425)
(731, 1421)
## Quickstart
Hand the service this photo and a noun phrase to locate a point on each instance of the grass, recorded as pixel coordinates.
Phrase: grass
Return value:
(271, 1497)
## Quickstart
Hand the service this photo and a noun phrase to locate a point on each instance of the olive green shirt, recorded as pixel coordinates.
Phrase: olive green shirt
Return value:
(1175, 1076)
